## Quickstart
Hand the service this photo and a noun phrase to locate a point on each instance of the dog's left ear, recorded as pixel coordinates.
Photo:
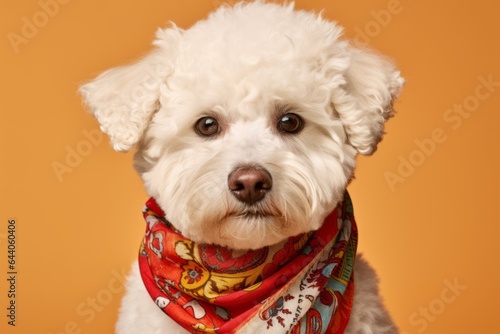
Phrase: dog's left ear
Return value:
(372, 84)
(124, 99)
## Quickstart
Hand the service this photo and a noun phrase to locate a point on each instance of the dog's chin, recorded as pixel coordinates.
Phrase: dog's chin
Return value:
(248, 229)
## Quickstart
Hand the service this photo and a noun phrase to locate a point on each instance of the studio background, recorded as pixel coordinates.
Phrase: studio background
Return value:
(425, 202)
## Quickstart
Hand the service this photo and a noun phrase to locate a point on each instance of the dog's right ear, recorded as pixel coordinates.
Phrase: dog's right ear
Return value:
(125, 98)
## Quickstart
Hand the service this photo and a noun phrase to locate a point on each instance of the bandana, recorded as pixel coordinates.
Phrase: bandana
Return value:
(303, 285)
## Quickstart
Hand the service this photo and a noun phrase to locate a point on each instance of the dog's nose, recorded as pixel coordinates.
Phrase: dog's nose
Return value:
(250, 184)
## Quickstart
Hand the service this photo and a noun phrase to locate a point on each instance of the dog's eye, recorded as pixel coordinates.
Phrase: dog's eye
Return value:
(207, 126)
(290, 123)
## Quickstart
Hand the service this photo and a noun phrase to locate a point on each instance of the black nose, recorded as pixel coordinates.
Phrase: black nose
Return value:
(250, 184)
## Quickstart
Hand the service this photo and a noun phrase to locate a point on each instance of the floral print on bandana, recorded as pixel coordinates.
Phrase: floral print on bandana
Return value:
(303, 285)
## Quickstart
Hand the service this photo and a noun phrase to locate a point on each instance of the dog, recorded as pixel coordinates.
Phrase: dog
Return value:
(247, 127)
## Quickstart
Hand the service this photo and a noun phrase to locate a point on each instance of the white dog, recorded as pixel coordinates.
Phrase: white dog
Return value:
(247, 127)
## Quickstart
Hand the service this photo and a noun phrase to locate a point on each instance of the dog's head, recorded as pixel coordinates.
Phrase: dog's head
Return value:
(248, 124)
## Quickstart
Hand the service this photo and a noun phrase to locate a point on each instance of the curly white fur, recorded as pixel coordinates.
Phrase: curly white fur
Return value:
(246, 66)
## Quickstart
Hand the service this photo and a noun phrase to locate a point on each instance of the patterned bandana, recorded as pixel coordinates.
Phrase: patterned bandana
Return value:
(303, 285)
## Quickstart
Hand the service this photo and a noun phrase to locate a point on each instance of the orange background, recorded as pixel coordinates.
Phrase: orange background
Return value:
(435, 225)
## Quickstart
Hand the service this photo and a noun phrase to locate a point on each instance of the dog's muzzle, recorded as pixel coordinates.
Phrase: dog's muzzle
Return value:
(250, 184)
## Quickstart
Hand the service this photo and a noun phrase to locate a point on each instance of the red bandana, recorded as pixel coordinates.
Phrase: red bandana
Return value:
(303, 285)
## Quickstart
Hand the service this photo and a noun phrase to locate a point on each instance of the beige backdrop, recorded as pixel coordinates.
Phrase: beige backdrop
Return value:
(425, 202)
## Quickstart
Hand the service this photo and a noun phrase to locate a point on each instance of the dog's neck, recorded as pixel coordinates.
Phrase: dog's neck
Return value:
(213, 289)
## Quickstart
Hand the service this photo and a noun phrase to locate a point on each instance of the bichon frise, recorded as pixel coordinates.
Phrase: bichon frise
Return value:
(247, 127)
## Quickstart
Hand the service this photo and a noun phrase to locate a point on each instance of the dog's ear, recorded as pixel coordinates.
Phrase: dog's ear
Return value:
(124, 99)
(372, 84)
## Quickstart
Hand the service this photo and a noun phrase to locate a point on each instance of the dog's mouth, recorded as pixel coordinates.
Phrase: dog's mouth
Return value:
(254, 213)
